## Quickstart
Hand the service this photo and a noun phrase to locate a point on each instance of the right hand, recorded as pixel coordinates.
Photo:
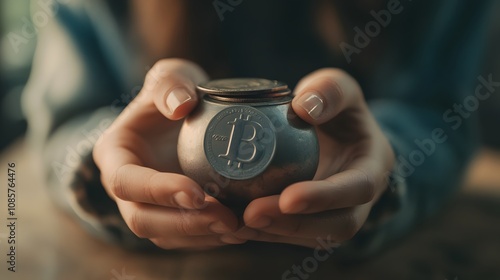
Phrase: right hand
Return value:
(137, 157)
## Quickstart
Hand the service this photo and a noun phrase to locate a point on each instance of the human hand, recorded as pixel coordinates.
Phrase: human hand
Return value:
(355, 158)
(139, 167)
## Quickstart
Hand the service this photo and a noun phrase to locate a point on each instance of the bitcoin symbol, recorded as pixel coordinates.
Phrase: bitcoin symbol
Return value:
(240, 142)
(236, 140)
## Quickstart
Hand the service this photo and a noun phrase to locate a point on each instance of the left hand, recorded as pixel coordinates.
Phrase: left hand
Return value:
(355, 159)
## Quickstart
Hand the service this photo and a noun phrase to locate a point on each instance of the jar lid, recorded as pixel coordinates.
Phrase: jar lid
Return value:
(244, 88)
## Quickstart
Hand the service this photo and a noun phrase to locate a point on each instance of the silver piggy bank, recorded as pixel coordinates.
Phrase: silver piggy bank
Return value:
(243, 141)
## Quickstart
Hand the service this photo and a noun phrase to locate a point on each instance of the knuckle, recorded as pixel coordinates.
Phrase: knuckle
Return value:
(138, 224)
(154, 74)
(176, 70)
(350, 228)
(327, 85)
(151, 191)
(368, 187)
(341, 83)
(334, 89)
(162, 66)
(116, 183)
(162, 70)
(183, 225)
(187, 67)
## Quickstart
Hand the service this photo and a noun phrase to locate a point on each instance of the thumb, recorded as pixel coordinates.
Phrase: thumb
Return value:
(323, 94)
(172, 84)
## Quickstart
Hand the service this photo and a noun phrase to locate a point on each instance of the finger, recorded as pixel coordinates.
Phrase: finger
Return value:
(323, 94)
(169, 88)
(345, 189)
(151, 221)
(195, 242)
(172, 84)
(325, 243)
(146, 113)
(342, 224)
(124, 176)
(141, 184)
(363, 181)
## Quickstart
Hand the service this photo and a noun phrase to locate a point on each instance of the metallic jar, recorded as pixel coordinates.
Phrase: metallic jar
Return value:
(244, 141)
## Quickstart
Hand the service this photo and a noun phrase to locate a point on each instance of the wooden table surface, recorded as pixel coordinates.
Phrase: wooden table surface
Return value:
(462, 242)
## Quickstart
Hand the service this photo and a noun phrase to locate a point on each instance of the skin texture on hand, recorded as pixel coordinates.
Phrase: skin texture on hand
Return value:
(137, 157)
(355, 158)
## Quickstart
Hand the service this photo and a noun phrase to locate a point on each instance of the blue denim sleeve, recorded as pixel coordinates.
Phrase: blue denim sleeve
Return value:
(76, 90)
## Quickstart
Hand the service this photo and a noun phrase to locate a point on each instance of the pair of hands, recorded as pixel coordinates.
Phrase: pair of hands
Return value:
(137, 157)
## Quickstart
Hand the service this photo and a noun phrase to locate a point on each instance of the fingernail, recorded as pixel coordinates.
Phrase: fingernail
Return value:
(229, 239)
(199, 202)
(183, 200)
(261, 222)
(176, 98)
(219, 227)
(313, 104)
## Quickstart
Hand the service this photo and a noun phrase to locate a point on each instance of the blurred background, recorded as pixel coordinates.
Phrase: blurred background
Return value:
(15, 65)
(472, 213)
(490, 112)
(14, 70)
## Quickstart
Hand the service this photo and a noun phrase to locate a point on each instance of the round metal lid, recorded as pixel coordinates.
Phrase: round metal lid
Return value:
(246, 87)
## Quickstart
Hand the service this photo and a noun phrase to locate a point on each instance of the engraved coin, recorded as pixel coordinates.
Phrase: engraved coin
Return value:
(243, 86)
(240, 142)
